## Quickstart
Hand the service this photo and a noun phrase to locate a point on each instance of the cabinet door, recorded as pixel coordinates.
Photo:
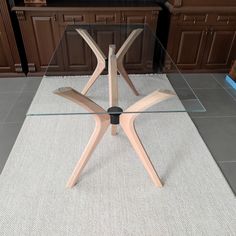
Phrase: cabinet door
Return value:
(76, 53)
(188, 46)
(220, 48)
(105, 17)
(138, 56)
(6, 61)
(104, 36)
(40, 31)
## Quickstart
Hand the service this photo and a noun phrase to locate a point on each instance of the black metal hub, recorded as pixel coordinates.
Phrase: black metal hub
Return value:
(114, 113)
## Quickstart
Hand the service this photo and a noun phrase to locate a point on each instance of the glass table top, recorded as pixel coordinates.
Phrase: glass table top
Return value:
(118, 65)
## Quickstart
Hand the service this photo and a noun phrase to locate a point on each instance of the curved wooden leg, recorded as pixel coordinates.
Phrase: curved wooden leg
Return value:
(120, 57)
(101, 58)
(102, 123)
(125, 75)
(102, 120)
(127, 124)
(99, 69)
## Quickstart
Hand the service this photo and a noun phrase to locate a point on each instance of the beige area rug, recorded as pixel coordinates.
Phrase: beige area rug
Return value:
(114, 195)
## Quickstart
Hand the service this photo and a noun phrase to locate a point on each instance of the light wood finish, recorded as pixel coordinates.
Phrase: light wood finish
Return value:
(102, 122)
(120, 57)
(127, 124)
(101, 58)
(112, 78)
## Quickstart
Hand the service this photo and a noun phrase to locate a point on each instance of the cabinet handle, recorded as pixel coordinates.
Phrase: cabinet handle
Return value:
(206, 32)
(55, 18)
(194, 20)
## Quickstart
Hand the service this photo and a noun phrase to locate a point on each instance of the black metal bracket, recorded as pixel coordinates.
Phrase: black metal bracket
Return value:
(114, 113)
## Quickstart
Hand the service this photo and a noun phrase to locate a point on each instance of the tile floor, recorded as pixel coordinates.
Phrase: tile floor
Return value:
(217, 126)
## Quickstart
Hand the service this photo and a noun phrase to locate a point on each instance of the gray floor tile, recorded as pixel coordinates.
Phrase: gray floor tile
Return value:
(232, 92)
(19, 110)
(229, 171)
(202, 81)
(7, 101)
(8, 134)
(221, 80)
(219, 135)
(12, 84)
(177, 81)
(32, 84)
(216, 101)
(220, 77)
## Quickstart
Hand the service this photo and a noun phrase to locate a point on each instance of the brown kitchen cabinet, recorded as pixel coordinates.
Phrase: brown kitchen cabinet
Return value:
(6, 61)
(40, 32)
(10, 64)
(202, 41)
(42, 29)
(220, 48)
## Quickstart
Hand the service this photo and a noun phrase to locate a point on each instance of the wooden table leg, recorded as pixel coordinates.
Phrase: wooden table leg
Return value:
(127, 124)
(112, 79)
(120, 58)
(102, 121)
(101, 58)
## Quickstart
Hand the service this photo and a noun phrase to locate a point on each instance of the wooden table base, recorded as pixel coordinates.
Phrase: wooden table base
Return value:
(103, 119)
(101, 58)
(103, 122)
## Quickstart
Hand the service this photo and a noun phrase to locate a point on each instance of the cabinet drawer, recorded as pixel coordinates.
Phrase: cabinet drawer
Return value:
(224, 19)
(73, 18)
(193, 19)
(105, 17)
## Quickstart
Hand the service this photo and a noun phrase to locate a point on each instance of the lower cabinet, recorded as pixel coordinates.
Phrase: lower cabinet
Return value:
(220, 48)
(10, 64)
(201, 46)
(42, 31)
(6, 61)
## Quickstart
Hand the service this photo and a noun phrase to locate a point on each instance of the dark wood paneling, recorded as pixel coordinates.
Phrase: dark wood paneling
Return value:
(10, 64)
(219, 47)
(203, 45)
(76, 54)
(6, 60)
(45, 38)
(191, 44)
(105, 17)
(42, 30)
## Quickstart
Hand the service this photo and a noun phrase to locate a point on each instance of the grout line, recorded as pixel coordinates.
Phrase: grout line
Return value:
(222, 162)
(13, 122)
(233, 116)
(223, 87)
(208, 88)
